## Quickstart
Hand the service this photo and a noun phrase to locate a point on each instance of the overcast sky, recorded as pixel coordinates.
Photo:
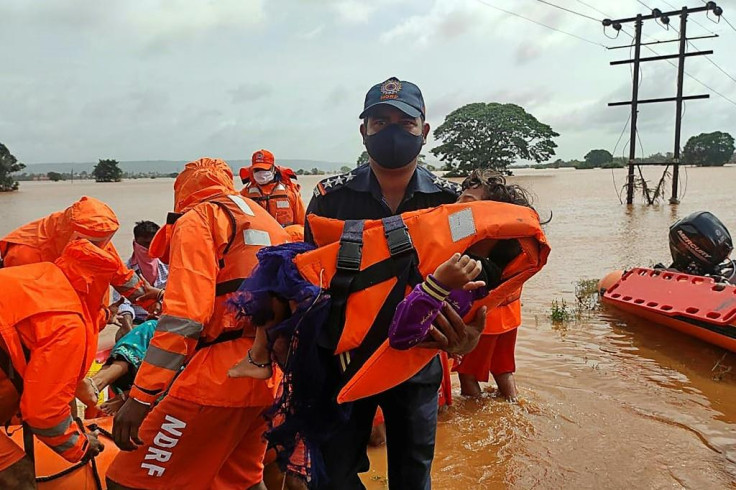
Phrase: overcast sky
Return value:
(180, 79)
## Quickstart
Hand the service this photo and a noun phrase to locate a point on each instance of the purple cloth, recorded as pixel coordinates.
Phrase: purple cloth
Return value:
(416, 313)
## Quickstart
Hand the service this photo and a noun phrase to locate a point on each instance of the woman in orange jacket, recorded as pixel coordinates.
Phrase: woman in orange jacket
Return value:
(43, 240)
(210, 243)
(47, 344)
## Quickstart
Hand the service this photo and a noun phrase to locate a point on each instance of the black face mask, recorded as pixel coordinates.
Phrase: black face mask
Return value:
(393, 146)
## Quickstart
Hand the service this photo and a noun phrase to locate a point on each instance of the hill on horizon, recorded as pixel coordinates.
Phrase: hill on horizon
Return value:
(170, 166)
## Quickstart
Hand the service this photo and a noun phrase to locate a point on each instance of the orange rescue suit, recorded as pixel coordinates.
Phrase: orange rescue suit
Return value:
(211, 248)
(371, 366)
(280, 198)
(48, 338)
(44, 239)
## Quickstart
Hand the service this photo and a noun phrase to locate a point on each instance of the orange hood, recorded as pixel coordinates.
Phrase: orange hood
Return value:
(201, 180)
(88, 216)
(89, 269)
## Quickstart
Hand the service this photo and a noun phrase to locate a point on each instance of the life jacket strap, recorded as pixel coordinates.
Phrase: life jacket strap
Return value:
(171, 218)
(351, 246)
(406, 272)
(227, 287)
(233, 225)
(402, 265)
(223, 337)
(397, 235)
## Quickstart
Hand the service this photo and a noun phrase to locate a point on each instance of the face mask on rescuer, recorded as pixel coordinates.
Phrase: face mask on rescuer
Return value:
(263, 177)
(393, 146)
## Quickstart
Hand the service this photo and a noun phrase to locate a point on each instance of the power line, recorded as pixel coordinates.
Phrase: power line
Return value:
(592, 7)
(727, 22)
(688, 74)
(541, 24)
(647, 6)
(695, 21)
(569, 10)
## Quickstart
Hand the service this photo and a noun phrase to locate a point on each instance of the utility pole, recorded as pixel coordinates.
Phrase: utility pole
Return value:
(664, 18)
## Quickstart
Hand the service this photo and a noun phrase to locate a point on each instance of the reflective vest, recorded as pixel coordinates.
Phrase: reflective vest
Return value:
(276, 197)
(369, 266)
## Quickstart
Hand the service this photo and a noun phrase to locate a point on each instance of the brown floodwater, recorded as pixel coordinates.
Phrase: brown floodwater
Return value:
(606, 401)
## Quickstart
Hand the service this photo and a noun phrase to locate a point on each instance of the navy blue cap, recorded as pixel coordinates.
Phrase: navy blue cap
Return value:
(403, 95)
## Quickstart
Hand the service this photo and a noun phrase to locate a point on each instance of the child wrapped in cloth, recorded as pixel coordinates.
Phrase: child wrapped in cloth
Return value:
(326, 311)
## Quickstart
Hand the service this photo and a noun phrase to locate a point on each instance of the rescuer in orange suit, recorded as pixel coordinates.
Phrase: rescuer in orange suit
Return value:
(207, 432)
(273, 187)
(43, 240)
(48, 340)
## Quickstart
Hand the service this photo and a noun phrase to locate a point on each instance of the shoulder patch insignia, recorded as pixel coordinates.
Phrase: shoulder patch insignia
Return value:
(333, 183)
(447, 185)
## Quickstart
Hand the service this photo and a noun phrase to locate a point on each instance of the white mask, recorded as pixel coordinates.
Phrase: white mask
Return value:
(263, 177)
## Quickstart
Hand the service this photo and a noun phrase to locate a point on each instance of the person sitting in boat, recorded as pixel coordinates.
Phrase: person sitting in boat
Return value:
(48, 337)
(150, 268)
(700, 245)
(278, 297)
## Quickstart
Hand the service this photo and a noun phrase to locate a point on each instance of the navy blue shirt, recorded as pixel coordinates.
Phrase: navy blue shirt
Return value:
(357, 195)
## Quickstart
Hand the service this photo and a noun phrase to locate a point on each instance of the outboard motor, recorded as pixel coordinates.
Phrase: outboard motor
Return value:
(699, 243)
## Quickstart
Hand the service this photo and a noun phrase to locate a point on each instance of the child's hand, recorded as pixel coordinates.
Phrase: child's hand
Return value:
(459, 272)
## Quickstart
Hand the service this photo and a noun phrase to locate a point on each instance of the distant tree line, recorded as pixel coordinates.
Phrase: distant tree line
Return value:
(8, 165)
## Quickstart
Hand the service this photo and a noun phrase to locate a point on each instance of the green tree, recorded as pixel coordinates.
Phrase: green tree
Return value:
(107, 171)
(362, 159)
(492, 136)
(8, 165)
(54, 176)
(344, 169)
(597, 158)
(708, 149)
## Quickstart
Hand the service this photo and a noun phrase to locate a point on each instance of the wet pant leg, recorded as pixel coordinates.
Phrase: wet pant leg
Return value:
(345, 453)
(410, 410)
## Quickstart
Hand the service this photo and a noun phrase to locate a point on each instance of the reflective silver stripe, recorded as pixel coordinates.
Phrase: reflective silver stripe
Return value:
(131, 283)
(164, 359)
(67, 445)
(254, 190)
(240, 202)
(257, 237)
(280, 187)
(462, 224)
(180, 326)
(57, 430)
(283, 204)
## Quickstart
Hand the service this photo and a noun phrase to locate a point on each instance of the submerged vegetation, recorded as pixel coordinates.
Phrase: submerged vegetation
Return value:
(586, 302)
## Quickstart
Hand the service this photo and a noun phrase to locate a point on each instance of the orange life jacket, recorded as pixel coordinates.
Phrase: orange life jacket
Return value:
(369, 266)
(275, 197)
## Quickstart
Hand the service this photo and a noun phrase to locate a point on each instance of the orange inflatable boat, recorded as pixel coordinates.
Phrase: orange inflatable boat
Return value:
(55, 473)
(694, 305)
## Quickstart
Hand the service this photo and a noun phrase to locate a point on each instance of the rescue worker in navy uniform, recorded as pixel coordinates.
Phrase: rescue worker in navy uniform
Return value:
(394, 131)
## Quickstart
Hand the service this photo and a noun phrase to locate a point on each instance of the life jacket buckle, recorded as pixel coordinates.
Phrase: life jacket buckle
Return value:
(350, 255)
(399, 241)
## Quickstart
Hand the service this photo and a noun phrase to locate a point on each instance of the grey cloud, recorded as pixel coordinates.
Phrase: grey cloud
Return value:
(249, 92)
